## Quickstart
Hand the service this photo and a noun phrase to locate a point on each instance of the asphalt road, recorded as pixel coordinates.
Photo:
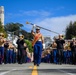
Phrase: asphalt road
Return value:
(43, 69)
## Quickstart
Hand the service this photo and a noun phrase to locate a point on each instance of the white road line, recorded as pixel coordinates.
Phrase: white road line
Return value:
(3, 73)
(66, 72)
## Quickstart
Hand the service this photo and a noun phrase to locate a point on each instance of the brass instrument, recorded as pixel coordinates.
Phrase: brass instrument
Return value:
(21, 36)
(1, 34)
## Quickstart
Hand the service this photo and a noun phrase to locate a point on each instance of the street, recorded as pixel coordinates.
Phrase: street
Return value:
(43, 69)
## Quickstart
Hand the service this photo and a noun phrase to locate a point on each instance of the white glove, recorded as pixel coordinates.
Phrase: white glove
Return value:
(34, 26)
(43, 46)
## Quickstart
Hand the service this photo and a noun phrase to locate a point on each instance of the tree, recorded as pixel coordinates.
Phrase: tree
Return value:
(11, 27)
(16, 29)
(2, 30)
(71, 30)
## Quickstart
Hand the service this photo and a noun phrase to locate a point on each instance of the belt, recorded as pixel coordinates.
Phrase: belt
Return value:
(1, 46)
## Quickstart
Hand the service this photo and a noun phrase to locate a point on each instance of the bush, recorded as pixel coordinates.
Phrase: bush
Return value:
(29, 44)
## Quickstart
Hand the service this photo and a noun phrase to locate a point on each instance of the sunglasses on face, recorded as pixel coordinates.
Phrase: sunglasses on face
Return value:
(37, 29)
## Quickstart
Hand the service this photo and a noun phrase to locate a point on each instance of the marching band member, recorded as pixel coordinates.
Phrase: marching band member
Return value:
(20, 43)
(11, 52)
(54, 45)
(37, 45)
(69, 54)
(60, 48)
(28, 55)
(6, 52)
(48, 55)
(1, 47)
(73, 49)
(65, 53)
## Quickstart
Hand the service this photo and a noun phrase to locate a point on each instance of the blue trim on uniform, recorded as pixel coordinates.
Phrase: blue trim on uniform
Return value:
(1, 54)
(55, 56)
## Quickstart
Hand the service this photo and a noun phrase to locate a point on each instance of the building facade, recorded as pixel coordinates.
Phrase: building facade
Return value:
(2, 14)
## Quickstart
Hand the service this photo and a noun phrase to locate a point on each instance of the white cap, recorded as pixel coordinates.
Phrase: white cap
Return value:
(38, 28)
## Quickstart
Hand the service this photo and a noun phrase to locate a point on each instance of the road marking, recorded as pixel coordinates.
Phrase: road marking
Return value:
(67, 72)
(30, 67)
(3, 73)
(35, 72)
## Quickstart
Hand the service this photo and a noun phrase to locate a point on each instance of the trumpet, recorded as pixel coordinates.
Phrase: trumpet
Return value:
(2, 34)
(42, 27)
(63, 36)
